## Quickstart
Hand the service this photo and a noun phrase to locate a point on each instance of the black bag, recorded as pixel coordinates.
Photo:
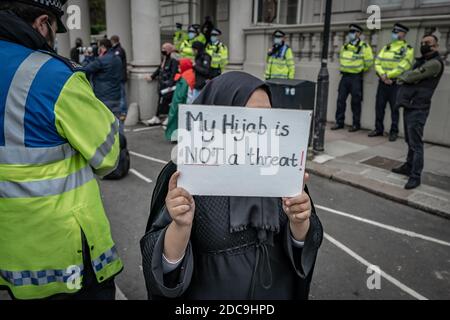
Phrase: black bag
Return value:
(124, 161)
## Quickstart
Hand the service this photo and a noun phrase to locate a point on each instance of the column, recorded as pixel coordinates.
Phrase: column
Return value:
(85, 30)
(241, 13)
(118, 22)
(146, 36)
(63, 44)
(63, 39)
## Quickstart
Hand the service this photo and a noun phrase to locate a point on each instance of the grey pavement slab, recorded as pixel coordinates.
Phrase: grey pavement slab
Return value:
(340, 148)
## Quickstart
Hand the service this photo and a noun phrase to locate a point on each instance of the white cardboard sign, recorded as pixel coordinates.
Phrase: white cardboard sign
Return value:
(237, 151)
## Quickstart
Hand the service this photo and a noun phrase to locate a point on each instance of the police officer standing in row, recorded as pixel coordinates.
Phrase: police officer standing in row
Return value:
(179, 36)
(185, 48)
(393, 60)
(417, 87)
(55, 238)
(356, 57)
(218, 52)
(280, 59)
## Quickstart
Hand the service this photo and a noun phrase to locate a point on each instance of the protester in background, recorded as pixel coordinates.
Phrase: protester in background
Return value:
(88, 56)
(106, 74)
(120, 52)
(202, 67)
(77, 51)
(208, 247)
(183, 94)
(207, 28)
(416, 90)
(165, 73)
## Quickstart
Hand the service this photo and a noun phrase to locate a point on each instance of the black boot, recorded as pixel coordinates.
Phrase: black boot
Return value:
(403, 170)
(337, 127)
(375, 133)
(412, 183)
(393, 137)
(354, 129)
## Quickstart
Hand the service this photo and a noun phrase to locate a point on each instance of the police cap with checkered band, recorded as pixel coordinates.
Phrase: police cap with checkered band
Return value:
(54, 6)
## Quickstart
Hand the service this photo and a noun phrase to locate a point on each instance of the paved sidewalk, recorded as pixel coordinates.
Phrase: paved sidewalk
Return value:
(364, 162)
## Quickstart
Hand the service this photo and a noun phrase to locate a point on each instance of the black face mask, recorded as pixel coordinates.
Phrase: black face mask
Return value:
(164, 53)
(425, 48)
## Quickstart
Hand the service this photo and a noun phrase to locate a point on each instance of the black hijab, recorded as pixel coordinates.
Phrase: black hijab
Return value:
(235, 89)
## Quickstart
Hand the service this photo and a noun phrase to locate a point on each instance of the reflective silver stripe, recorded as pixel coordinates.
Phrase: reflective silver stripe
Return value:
(17, 98)
(45, 188)
(106, 146)
(22, 155)
(352, 67)
(352, 59)
(388, 60)
(42, 277)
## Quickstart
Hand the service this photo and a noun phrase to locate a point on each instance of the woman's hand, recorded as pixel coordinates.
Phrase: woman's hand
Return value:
(181, 207)
(180, 203)
(298, 209)
(148, 78)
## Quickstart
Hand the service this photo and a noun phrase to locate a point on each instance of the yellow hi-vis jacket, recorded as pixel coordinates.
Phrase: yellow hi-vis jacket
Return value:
(178, 38)
(186, 50)
(280, 64)
(355, 58)
(219, 55)
(56, 135)
(394, 59)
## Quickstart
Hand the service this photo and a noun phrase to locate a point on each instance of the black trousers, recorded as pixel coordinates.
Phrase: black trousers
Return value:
(386, 93)
(350, 84)
(414, 123)
(164, 104)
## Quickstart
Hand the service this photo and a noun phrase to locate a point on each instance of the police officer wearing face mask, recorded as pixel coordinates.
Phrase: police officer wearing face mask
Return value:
(417, 87)
(218, 52)
(393, 60)
(179, 36)
(185, 49)
(355, 58)
(280, 60)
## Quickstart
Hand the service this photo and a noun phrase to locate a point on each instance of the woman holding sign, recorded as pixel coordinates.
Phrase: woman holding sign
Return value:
(207, 247)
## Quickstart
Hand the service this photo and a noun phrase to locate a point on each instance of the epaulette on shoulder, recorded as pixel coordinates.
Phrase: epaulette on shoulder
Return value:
(71, 64)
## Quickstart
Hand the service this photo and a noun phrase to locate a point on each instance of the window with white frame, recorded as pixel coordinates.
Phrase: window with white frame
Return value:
(277, 11)
(441, 2)
(386, 4)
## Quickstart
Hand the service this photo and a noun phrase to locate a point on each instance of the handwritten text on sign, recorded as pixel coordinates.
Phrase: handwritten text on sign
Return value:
(236, 151)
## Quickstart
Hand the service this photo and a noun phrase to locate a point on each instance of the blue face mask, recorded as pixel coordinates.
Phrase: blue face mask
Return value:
(278, 41)
(214, 39)
(394, 36)
(351, 36)
(191, 35)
